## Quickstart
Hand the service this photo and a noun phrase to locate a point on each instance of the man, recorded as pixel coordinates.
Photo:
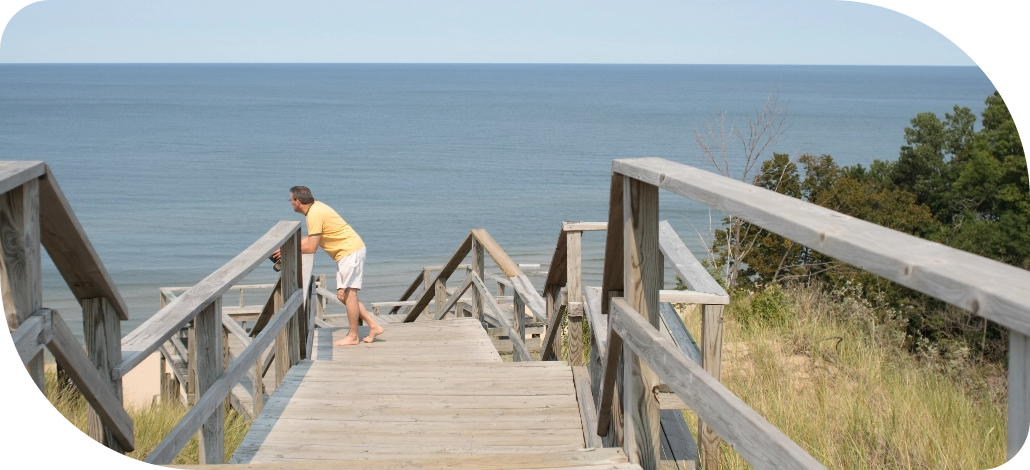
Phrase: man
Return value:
(328, 230)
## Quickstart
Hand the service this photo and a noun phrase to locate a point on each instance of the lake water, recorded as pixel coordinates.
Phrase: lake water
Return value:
(175, 169)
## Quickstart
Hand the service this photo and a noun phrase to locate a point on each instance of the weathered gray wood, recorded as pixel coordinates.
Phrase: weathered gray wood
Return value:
(612, 277)
(586, 407)
(95, 388)
(235, 328)
(70, 249)
(584, 226)
(532, 299)
(689, 269)
(269, 308)
(574, 296)
(20, 270)
(208, 325)
(598, 459)
(479, 267)
(449, 302)
(692, 297)
(759, 442)
(678, 446)
(17, 173)
(643, 278)
(191, 364)
(1019, 392)
(679, 333)
(548, 348)
(557, 270)
(988, 288)
(146, 338)
(206, 405)
(521, 352)
(32, 335)
(608, 406)
(101, 336)
(518, 316)
(711, 361)
(444, 274)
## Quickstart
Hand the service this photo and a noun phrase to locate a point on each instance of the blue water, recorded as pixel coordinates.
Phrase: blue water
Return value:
(174, 169)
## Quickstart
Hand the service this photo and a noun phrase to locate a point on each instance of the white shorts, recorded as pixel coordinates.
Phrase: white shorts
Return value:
(350, 269)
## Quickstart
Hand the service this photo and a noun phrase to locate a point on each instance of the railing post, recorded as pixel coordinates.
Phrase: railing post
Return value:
(191, 363)
(518, 308)
(441, 294)
(1019, 392)
(20, 269)
(208, 326)
(574, 296)
(711, 361)
(320, 307)
(478, 267)
(101, 335)
(642, 281)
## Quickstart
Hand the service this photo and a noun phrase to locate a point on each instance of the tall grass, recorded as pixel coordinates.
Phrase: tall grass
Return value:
(151, 423)
(834, 374)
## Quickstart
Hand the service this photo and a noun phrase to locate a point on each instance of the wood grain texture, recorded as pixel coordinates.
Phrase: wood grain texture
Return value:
(556, 272)
(1019, 392)
(71, 250)
(521, 352)
(503, 261)
(20, 269)
(101, 337)
(95, 388)
(574, 296)
(711, 361)
(988, 288)
(206, 405)
(479, 267)
(146, 338)
(584, 226)
(586, 407)
(596, 459)
(679, 333)
(208, 325)
(760, 443)
(451, 301)
(16, 173)
(692, 297)
(32, 335)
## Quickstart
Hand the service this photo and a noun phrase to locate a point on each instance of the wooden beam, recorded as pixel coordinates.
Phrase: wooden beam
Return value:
(503, 261)
(548, 348)
(679, 333)
(71, 251)
(213, 399)
(643, 278)
(454, 298)
(444, 274)
(556, 272)
(21, 283)
(17, 173)
(574, 295)
(584, 226)
(101, 336)
(587, 412)
(520, 351)
(95, 388)
(692, 297)
(988, 288)
(533, 300)
(208, 325)
(32, 335)
(689, 269)
(146, 338)
(1019, 392)
(760, 443)
(711, 361)
(479, 267)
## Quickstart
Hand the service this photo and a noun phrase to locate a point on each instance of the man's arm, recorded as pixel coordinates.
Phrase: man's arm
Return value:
(308, 245)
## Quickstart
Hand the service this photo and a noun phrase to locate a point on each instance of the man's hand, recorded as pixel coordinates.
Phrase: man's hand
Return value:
(277, 254)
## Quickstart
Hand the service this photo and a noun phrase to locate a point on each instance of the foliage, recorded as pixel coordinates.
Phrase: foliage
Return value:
(951, 183)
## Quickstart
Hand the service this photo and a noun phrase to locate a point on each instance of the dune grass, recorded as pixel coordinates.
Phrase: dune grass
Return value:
(834, 374)
(151, 424)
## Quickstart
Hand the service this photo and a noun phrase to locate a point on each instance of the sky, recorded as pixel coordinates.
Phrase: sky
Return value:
(474, 31)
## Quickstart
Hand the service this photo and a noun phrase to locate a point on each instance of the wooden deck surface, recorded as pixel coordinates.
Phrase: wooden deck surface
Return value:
(425, 390)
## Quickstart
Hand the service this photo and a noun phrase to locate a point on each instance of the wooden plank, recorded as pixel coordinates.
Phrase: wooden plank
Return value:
(689, 269)
(448, 304)
(611, 281)
(643, 278)
(679, 333)
(586, 407)
(145, 339)
(206, 405)
(20, 269)
(95, 388)
(759, 442)
(479, 267)
(32, 335)
(597, 458)
(678, 447)
(1019, 392)
(711, 361)
(444, 274)
(17, 173)
(548, 348)
(70, 249)
(574, 296)
(208, 325)
(234, 328)
(584, 226)
(607, 402)
(692, 297)
(532, 299)
(503, 261)
(988, 288)
(101, 337)
(556, 274)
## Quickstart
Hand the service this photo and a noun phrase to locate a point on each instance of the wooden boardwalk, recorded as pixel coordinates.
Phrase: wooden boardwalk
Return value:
(426, 391)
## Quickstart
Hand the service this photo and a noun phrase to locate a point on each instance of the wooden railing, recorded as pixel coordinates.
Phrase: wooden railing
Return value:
(630, 295)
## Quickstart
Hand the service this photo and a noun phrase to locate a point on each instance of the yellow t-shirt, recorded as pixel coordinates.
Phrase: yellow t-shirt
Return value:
(338, 238)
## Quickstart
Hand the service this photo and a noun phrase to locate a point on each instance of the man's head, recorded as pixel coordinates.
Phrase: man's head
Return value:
(300, 198)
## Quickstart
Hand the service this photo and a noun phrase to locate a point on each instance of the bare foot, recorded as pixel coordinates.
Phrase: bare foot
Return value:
(372, 333)
(346, 341)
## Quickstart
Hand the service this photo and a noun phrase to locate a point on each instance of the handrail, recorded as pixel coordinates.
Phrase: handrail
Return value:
(17, 173)
(214, 397)
(754, 438)
(694, 275)
(146, 338)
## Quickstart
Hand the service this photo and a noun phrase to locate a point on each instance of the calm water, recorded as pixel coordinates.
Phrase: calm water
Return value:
(174, 169)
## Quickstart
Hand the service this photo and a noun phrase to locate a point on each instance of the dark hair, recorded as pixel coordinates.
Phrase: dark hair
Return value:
(302, 194)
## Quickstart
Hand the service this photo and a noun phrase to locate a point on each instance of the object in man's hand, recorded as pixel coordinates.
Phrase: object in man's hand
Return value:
(278, 266)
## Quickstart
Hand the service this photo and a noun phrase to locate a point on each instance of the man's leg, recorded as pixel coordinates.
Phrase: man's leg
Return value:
(353, 313)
